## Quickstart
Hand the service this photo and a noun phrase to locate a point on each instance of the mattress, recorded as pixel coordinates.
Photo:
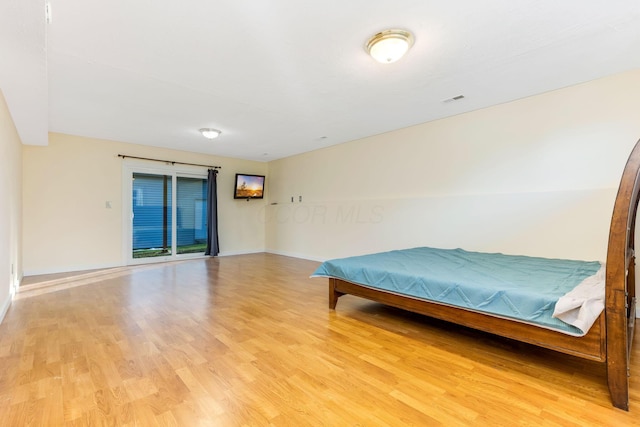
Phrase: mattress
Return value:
(521, 288)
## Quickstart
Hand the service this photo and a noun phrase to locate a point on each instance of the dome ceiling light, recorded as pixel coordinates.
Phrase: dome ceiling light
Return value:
(390, 45)
(210, 133)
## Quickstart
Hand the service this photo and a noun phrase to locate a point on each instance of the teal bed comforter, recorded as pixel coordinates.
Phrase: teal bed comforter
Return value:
(517, 287)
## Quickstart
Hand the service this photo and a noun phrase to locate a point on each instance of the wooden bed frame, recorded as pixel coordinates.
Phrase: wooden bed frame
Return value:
(609, 339)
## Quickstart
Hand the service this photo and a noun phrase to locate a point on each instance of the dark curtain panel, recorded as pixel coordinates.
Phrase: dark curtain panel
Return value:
(212, 214)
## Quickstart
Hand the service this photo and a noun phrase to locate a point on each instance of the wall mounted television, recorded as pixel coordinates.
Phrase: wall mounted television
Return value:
(248, 186)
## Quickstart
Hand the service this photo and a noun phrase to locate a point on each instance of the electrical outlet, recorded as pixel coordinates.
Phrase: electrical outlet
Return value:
(291, 199)
(300, 199)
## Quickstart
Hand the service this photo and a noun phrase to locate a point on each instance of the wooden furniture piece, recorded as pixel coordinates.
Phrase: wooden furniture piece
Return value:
(609, 339)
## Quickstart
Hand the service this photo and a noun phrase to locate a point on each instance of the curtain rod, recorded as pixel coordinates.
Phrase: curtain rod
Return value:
(168, 161)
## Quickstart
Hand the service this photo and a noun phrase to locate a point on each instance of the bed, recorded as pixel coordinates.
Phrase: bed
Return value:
(608, 336)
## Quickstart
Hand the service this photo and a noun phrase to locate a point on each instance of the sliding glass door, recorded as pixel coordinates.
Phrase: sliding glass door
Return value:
(191, 226)
(151, 216)
(167, 215)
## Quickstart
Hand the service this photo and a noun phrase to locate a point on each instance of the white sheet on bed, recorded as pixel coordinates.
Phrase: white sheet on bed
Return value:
(581, 306)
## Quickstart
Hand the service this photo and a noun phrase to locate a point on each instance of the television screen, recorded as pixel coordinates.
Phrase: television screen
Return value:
(249, 186)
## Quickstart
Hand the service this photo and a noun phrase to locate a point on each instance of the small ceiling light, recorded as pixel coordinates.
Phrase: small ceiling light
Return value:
(390, 45)
(210, 133)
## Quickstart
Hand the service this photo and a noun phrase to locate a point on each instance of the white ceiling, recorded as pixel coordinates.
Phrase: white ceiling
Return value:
(282, 77)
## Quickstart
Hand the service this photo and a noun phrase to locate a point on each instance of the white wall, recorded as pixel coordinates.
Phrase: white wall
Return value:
(67, 226)
(10, 208)
(536, 176)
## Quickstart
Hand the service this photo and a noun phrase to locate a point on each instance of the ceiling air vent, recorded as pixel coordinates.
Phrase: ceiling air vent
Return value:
(455, 98)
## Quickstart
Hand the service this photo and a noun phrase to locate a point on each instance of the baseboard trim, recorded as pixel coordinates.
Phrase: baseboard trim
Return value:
(71, 269)
(295, 255)
(234, 253)
(5, 308)
(74, 269)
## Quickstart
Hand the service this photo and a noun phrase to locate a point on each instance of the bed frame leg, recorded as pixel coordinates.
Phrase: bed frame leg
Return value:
(333, 294)
(620, 325)
(618, 388)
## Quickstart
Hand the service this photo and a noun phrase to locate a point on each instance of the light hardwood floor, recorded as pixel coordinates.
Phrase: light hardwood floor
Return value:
(249, 341)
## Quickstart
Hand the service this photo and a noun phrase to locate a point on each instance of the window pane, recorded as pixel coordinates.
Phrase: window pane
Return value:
(151, 215)
(191, 224)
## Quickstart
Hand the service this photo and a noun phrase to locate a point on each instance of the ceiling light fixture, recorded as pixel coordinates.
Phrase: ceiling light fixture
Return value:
(389, 45)
(210, 133)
